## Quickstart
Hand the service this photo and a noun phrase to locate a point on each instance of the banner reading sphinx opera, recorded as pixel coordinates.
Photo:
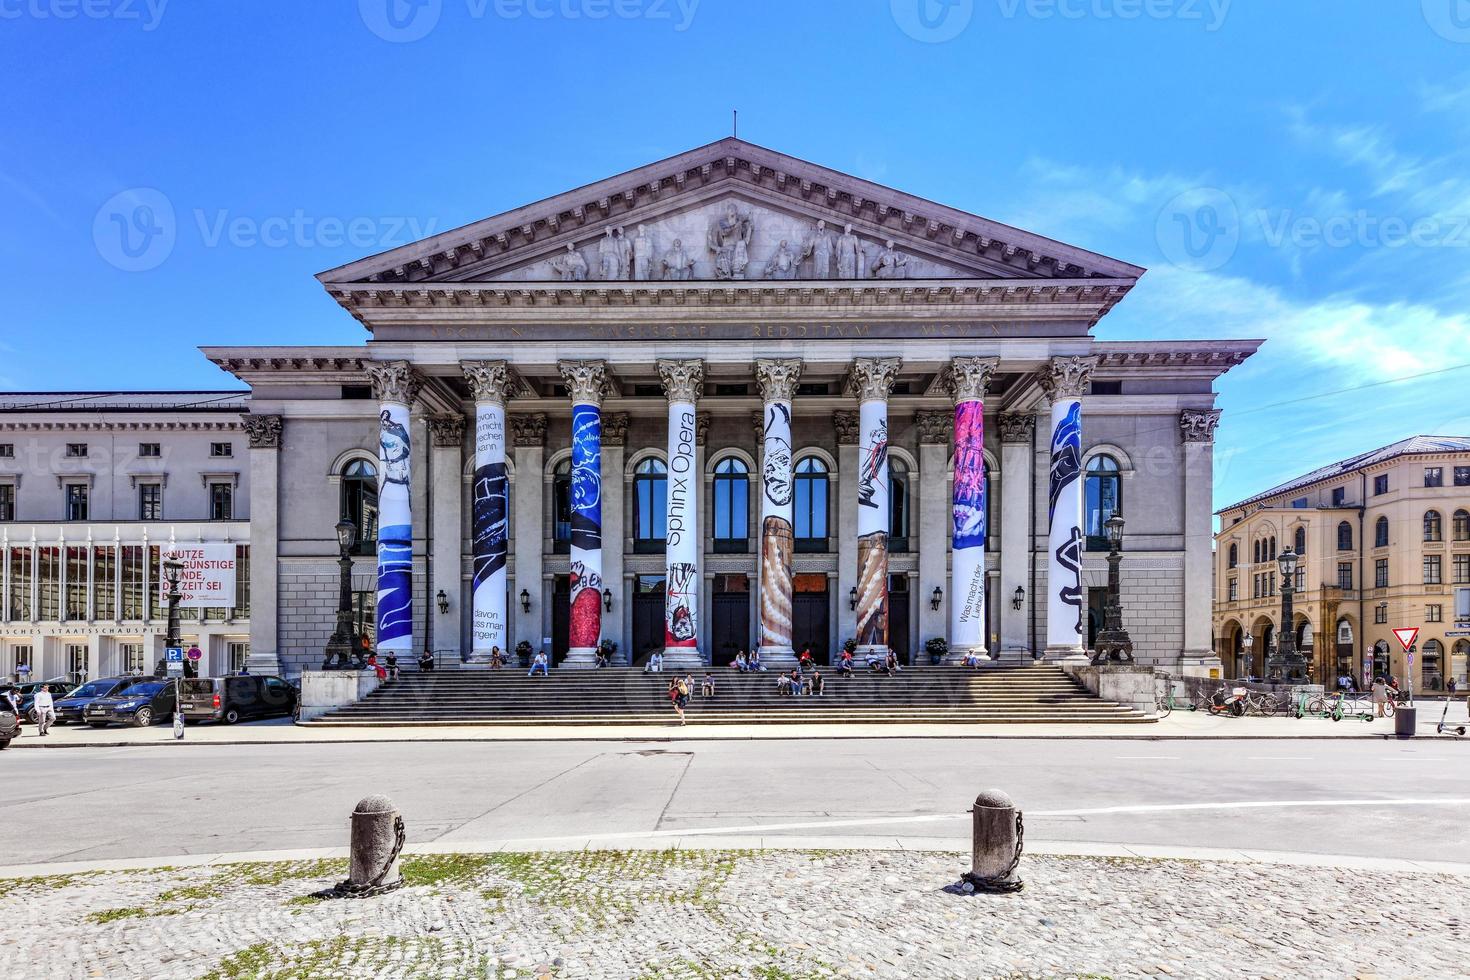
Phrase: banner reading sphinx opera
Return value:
(586, 544)
(967, 598)
(395, 531)
(681, 539)
(489, 530)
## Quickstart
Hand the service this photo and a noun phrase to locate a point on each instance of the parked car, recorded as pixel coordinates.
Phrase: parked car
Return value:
(138, 704)
(9, 725)
(231, 699)
(28, 693)
(70, 707)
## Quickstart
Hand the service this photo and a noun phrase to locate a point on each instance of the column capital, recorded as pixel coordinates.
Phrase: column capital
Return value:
(489, 380)
(615, 429)
(528, 430)
(846, 424)
(758, 424)
(683, 381)
(701, 428)
(394, 381)
(1067, 377)
(967, 378)
(777, 378)
(934, 427)
(264, 431)
(871, 378)
(586, 381)
(1198, 425)
(1017, 427)
(447, 430)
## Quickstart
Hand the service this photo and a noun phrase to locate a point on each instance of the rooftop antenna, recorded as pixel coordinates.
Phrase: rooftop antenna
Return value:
(735, 123)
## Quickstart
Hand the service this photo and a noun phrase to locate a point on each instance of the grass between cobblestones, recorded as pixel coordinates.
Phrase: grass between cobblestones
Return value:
(722, 915)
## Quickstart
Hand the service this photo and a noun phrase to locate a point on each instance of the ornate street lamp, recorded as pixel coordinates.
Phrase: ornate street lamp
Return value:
(1287, 662)
(341, 647)
(171, 569)
(1246, 642)
(1114, 645)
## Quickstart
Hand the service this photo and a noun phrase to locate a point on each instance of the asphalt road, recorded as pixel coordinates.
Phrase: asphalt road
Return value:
(81, 804)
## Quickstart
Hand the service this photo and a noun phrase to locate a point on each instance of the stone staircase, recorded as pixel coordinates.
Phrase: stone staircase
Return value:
(625, 696)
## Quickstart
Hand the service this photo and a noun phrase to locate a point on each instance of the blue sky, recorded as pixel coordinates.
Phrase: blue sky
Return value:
(1314, 153)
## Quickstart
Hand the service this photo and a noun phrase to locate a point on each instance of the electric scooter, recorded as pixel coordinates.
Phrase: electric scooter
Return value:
(1442, 728)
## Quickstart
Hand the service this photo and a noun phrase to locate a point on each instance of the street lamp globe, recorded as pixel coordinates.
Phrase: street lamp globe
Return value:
(1114, 528)
(346, 535)
(1287, 561)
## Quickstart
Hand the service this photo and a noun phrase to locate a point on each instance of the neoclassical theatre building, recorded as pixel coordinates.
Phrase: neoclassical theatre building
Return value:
(731, 400)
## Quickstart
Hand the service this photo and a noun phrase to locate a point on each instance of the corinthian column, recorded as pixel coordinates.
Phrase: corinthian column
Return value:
(587, 384)
(395, 385)
(1197, 429)
(489, 516)
(683, 383)
(1065, 380)
(967, 380)
(872, 380)
(777, 379)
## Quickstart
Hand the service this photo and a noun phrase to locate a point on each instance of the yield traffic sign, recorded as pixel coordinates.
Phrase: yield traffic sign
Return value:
(1406, 636)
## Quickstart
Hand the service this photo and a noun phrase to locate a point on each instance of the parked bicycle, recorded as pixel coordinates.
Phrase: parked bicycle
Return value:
(1262, 703)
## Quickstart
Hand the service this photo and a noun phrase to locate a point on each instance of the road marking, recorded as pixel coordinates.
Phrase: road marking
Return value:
(1279, 758)
(1248, 805)
(1134, 758)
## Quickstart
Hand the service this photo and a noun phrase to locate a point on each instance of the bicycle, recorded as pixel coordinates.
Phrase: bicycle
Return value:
(1263, 704)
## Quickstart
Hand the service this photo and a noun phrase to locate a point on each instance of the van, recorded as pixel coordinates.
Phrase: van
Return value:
(232, 699)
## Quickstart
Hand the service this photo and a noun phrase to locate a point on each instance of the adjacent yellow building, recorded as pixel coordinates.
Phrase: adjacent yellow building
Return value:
(1384, 540)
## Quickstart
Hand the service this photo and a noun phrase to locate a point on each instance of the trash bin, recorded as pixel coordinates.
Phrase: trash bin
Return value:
(1404, 719)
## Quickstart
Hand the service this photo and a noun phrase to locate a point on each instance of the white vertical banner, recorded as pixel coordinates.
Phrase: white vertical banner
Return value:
(681, 540)
(1064, 603)
(489, 531)
(967, 557)
(395, 530)
(777, 537)
(872, 524)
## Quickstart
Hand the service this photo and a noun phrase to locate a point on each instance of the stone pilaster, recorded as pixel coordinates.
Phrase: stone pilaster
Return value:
(264, 432)
(1016, 433)
(1197, 431)
(446, 538)
(528, 433)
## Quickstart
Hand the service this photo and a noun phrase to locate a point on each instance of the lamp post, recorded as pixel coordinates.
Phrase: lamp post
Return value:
(1114, 645)
(340, 647)
(1246, 642)
(1287, 663)
(171, 569)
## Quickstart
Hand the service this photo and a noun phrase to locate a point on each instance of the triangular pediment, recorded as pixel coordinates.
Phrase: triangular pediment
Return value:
(730, 206)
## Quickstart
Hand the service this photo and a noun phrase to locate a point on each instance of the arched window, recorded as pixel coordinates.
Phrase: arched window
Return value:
(1433, 665)
(898, 505)
(1103, 497)
(1462, 525)
(1433, 526)
(561, 507)
(650, 506)
(1273, 547)
(1299, 542)
(732, 492)
(1380, 533)
(360, 503)
(811, 505)
(1344, 536)
(1234, 558)
(1256, 553)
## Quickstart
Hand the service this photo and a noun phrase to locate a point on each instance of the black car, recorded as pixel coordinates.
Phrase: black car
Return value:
(9, 725)
(70, 707)
(138, 704)
(230, 699)
(27, 693)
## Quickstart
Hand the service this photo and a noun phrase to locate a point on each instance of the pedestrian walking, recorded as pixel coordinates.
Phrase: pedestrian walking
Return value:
(681, 697)
(1380, 696)
(44, 708)
(539, 663)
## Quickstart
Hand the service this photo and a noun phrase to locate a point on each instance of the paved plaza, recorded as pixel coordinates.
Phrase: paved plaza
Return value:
(719, 914)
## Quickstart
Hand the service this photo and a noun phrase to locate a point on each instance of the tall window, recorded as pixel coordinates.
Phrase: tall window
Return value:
(1459, 662)
(1462, 569)
(811, 505)
(1434, 612)
(1380, 573)
(1380, 484)
(1434, 476)
(561, 507)
(1102, 498)
(104, 582)
(898, 505)
(1234, 556)
(238, 652)
(650, 506)
(1234, 590)
(20, 585)
(1299, 542)
(1433, 526)
(1345, 575)
(150, 502)
(1462, 525)
(732, 506)
(1433, 570)
(76, 661)
(1344, 536)
(130, 657)
(7, 501)
(1462, 476)
(1339, 496)
(1380, 533)
(1380, 613)
(132, 581)
(75, 607)
(221, 502)
(360, 503)
(76, 501)
(1433, 665)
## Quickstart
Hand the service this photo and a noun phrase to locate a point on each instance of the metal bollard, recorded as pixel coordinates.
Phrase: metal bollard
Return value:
(377, 840)
(996, 845)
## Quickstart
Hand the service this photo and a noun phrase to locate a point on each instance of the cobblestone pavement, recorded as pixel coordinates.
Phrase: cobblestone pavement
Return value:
(718, 914)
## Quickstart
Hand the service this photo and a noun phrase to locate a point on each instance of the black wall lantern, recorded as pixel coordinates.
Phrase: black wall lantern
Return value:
(852, 598)
(1018, 598)
(443, 601)
(607, 599)
(937, 599)
(525, 601)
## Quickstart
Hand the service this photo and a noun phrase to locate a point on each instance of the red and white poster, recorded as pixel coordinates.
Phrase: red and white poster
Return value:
(207, 577)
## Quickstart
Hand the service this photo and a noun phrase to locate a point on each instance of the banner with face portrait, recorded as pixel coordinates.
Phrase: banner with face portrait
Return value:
(489, 530)
(586, 544)
(681, 537)
(872, 524)
(777, 539)
(1065, 607)
(967, 587)
(395, 530)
